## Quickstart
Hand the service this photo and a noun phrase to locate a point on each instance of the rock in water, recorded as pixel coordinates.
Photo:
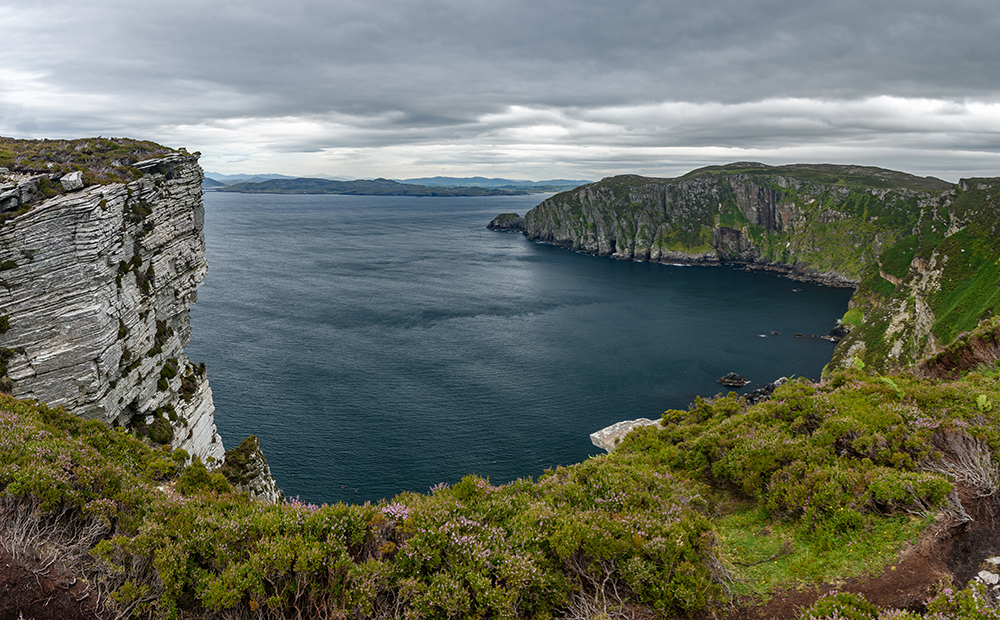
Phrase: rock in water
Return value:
(733, 380)
(608, 438)
(507, 221)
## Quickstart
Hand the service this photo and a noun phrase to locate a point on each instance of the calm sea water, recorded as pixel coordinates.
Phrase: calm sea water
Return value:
(383, 344)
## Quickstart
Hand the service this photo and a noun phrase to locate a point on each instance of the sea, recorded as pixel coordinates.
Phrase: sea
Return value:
(377, 345)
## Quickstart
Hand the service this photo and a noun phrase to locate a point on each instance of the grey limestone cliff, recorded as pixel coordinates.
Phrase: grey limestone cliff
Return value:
(95, 288)
(821, 223)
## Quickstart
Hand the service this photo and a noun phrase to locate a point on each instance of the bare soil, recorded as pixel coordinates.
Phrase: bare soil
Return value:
(35, 592)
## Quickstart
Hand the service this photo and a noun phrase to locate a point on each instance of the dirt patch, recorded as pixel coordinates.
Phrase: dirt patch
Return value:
(36, 592)
(949, 553)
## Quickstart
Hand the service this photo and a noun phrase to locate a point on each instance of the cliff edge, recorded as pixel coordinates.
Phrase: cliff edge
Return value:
(96, 282)
(920, 252)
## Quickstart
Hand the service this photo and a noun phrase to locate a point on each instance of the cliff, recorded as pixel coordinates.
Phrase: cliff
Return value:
(95, 286)
(920, 252)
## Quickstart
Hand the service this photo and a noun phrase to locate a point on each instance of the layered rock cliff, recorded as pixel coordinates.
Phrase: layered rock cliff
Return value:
(95, 287)
(921, 252)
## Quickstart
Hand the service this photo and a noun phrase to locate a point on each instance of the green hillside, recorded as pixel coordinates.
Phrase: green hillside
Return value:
(922, 253)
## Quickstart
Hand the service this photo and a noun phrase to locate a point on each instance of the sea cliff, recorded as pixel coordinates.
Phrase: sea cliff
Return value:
(95, 289)
(920, 252)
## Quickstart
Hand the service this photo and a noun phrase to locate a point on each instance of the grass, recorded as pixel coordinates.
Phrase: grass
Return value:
(816, 485)
(769, 555)
(102, 160)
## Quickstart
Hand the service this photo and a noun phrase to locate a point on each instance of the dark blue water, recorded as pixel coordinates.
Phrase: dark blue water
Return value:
(383, 344)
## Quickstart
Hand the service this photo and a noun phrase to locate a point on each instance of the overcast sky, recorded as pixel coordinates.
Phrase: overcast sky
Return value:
(535, 89)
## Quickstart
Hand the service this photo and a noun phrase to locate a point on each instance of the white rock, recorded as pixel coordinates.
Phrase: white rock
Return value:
(608, 438)
(988, 577)
(96, 329)
(72, 181)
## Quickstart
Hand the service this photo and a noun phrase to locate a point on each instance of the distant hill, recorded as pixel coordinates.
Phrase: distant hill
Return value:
(210, 183)
(553, 185)
(361, 187)
(229, 179)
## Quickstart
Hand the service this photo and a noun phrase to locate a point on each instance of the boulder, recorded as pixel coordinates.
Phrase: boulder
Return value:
(72, 181)
(608, 438)
(733, 380)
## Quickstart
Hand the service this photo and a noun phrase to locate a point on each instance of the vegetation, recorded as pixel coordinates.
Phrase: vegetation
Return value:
(102, 160)
(719, 505)
(922, 252)
(722, 502)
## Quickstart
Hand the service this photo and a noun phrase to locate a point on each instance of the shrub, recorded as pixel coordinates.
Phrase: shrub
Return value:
(841, 606)
(197, 479)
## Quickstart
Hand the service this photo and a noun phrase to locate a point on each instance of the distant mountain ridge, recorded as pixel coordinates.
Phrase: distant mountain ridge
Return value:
(214, 180)
(552, 185)
(361, 187)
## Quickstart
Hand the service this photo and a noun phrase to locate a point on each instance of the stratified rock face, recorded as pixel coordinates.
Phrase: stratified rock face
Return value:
(779, 219)
(248, 471)
(95, 288)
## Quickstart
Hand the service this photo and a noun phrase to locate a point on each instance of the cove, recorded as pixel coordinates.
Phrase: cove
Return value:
(385, 344)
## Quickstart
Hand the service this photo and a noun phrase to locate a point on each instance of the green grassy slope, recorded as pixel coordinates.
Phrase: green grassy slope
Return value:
(836, 473)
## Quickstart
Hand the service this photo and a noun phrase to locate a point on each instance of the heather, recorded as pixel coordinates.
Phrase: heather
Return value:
(840, 475)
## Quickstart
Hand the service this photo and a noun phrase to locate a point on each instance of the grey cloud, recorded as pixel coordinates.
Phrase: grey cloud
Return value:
(378, 73)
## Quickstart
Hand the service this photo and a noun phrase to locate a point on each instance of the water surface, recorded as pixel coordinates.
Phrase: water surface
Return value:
(382, 344)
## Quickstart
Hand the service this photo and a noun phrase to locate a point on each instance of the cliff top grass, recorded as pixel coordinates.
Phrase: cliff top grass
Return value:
(722, 502)
(102, 160)
(830, 174)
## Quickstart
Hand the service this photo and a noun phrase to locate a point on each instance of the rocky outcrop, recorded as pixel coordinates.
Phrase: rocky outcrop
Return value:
(507, 221)
(247, 470)
(609, 437)
(733, 380)
(95, 289)
(979, 347)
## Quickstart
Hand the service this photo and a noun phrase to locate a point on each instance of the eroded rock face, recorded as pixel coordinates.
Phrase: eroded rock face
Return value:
(96, 286)
(248, 471)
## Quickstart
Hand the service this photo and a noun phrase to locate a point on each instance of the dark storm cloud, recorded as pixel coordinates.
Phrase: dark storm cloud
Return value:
(380, 74)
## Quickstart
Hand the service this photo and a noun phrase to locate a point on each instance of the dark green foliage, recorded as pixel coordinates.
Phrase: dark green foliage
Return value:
(235, 467)
(4, 323)
(163, 331)
(7, 264)
(197, 479)
(896, 260)
(167, 411)
(138, 210)
(48, 188)
(160, 430)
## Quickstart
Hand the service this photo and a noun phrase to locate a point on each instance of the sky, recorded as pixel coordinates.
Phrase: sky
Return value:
(525, 89)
